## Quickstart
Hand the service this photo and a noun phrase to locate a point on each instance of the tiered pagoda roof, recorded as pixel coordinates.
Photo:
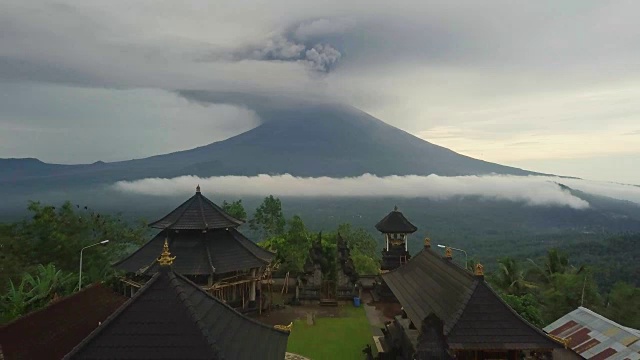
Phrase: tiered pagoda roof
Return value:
(474, 316)
(395, 223)
(172, 318)
(205, 240)
(197, 213)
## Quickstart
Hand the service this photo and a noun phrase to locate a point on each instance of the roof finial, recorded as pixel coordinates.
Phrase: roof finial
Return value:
(448, 253)
(479, 270)
(427, 242)
(165, 258)
(286, 328)
(198, 188)
(395, 208)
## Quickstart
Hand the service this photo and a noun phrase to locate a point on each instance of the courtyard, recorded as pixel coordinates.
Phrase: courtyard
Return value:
(336, 332)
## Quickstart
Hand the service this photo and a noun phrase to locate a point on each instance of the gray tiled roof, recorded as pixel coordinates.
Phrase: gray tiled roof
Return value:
(199, 253)
(197, 213)
(172, 318)
(474, 316)
(395, 222)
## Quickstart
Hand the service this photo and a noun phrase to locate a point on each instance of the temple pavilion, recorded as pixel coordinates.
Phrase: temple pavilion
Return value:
(171, 317)
(209, 250)
(449, 312)
(395, 228)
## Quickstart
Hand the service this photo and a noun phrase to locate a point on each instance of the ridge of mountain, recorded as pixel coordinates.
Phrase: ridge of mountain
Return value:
(310, 141)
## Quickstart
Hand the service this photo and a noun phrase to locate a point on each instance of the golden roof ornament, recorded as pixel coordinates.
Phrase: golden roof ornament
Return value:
(165, 258)
(479, 271)
(427, 242)
(448, 253)
(286, 328)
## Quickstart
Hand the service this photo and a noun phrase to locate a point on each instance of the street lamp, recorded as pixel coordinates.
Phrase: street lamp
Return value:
(465, 254)
(103, 242)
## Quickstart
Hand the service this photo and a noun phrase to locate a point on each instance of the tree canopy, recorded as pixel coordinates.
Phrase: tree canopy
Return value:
(40, 256)
(268, 219)
(235, 209)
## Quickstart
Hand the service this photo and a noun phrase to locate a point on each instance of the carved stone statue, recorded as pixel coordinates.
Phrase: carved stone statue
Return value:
(311, 281)
(347, 275)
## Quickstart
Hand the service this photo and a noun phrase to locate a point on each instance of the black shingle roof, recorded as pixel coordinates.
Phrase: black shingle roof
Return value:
(212, 252)
(395, 222)
(197, 213)
(172, 318)
(474, 316)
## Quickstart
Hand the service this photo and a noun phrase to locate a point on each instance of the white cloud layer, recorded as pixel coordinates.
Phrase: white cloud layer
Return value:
(532, 190)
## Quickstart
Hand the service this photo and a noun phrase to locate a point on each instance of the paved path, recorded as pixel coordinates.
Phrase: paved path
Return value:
(292, 356)
(375, 321)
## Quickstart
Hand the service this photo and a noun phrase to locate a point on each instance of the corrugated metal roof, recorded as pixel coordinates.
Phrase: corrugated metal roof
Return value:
(595, 337)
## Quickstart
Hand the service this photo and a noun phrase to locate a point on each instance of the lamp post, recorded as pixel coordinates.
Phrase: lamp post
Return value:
(466, 258)
(103, 242)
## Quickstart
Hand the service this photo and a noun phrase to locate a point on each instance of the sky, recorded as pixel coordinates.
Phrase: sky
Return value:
(548, 86)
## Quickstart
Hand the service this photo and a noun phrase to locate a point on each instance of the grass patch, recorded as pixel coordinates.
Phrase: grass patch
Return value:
(332, 338)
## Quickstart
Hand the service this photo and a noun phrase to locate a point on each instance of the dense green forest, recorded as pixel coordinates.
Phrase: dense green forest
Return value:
(542, 276)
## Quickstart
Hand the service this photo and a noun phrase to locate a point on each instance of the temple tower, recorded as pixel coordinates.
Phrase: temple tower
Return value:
(396, 229)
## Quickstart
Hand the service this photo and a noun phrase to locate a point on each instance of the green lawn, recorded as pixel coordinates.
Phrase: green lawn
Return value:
(332, 338)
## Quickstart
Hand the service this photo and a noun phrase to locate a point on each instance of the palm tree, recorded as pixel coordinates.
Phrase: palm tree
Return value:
(555, 263)
(510, 278)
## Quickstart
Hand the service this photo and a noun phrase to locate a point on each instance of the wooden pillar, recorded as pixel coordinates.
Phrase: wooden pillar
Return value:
(252, 289)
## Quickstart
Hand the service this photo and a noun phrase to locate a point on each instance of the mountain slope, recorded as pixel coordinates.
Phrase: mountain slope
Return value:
(309, 140)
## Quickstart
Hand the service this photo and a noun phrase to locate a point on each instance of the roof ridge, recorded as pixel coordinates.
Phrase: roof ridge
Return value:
(198, 288)
(223, 212)
(111, 317)
(184, 210)
(213, 268)
(175, 285)
(184, 204)
(204, 220)
(246, 248)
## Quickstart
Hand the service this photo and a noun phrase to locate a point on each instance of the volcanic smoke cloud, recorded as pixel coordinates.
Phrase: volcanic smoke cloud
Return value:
(531, 190)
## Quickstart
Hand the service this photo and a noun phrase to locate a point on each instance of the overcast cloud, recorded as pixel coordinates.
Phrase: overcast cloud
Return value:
(521, 83)
(532, 190)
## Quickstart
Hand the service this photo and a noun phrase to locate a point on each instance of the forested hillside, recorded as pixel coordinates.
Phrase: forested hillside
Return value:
(542, 275)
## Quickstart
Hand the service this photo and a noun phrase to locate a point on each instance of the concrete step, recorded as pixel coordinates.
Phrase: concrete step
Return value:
(328, 302)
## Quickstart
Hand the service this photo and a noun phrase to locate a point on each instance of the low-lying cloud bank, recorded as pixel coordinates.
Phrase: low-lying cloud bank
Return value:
(530, 190)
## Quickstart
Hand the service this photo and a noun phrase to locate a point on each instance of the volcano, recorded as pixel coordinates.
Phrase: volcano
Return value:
(309, 139)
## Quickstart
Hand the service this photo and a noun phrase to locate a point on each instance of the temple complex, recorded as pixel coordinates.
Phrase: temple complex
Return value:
(171, 317)
(210, 252)
(451, 312)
